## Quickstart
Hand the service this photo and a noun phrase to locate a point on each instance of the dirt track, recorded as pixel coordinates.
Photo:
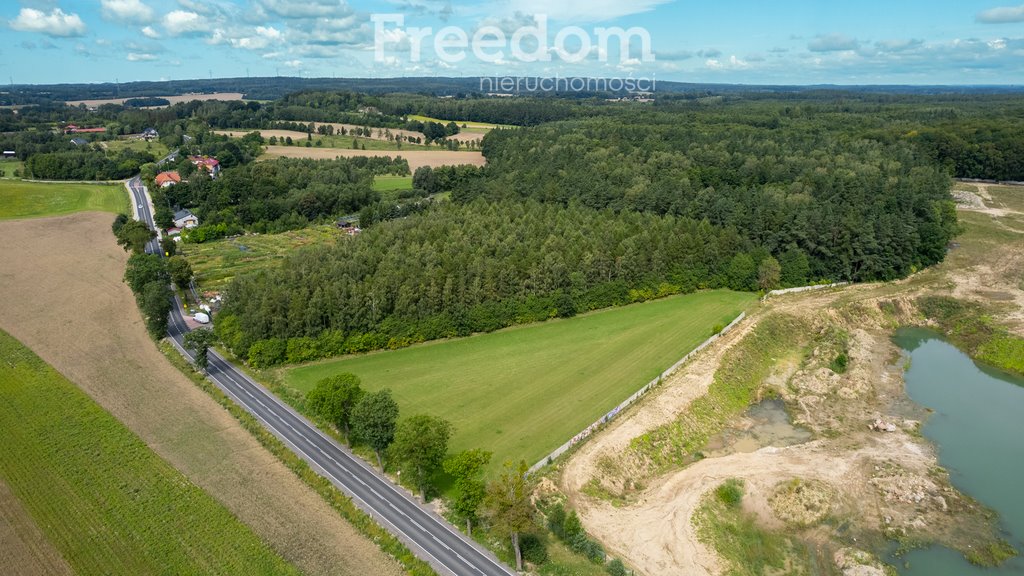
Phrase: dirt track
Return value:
(61, 294)
(416, 158)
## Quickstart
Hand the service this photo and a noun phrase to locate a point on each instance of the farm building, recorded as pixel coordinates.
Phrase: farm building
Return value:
(79, 141)
(150, 134)
(185, 219)
(9, 154)
(165, 179)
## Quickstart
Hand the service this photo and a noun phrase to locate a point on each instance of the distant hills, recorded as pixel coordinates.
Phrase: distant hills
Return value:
(269, 88)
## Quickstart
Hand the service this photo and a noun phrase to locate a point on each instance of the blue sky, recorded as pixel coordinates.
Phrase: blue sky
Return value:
(755, 42)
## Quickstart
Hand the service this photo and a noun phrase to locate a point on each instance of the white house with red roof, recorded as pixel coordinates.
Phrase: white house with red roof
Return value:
(165, 179)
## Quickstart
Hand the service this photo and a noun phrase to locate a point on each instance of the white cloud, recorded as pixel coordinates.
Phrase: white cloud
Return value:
(257, 39)
(149, 32)
(294, 63)
(180, 22)
(833, 43)
(306, 8)
(1001, 15)
(584, 10)
(56, 23)
(140, 57)
(127, 10)
(733, 63)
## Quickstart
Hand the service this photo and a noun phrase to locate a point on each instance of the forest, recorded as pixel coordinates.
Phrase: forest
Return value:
(281, 194)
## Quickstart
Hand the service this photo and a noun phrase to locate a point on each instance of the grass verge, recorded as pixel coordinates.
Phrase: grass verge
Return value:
(20, 199)
(974, 331)
(334, 497)
(106, 501)
(522, 391)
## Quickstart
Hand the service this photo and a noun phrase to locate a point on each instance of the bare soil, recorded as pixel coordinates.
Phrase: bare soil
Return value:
(884, 484)
(416, 158)
(61, 294)
(24, 549)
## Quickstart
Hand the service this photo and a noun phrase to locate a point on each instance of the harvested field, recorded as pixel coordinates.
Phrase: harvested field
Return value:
(61, 294)
(416, 158)
(172, 99)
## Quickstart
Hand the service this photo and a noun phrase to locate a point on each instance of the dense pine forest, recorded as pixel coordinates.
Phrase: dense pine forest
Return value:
(617, 203)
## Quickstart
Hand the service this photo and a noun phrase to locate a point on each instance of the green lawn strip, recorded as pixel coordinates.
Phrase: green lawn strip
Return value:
(106, 501)
(19, 199)
(523, 391)
(8, 167)
(216, 263)
(388, 183)
(334, 497)
(736, 385)
(157, 149)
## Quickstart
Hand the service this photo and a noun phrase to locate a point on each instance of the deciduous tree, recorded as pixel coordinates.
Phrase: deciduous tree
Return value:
(373, 422)
(508, 506)
(421, 443)
(334, 398)
(470, 490)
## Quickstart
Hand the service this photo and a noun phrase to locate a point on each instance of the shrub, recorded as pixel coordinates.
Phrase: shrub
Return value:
(840, 363)
(534, 549)
(730, 492)
(616, 568)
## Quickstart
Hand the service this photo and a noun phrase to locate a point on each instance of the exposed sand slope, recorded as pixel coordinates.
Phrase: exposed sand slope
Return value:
(61, 294)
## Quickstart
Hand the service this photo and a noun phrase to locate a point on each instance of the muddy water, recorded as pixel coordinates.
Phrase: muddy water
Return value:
(764, 424)
(978, 427)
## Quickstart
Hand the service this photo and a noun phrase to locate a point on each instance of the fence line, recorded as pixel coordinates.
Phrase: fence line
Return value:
(802, 289)
(636, 396)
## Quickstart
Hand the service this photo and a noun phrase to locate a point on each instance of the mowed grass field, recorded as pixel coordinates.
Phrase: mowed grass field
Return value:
(474, 127)
(523, 391)
(390, 183)
(20, 199)
(8, 167)
(99, 494)
(216, 263)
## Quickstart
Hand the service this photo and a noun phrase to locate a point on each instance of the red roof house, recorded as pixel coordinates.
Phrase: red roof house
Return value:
(165, 179)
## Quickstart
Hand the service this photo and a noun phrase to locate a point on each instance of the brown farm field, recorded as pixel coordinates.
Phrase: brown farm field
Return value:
(171, 99)
(61, 294)
(416, 158)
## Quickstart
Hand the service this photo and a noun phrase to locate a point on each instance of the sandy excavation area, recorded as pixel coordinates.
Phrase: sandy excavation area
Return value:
(416, 158)
(875, 479)
(61, 294)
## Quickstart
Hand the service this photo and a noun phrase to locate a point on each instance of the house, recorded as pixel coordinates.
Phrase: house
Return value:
(211, 165)
(150, 134)
(185, 219)
(9, 154)
(165, 179)
(79, 141)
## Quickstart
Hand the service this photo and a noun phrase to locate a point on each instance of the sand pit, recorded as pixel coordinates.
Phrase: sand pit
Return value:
(61, 294)
(416, 158)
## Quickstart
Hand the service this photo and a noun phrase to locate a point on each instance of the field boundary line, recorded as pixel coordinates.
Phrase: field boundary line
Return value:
(634, 397)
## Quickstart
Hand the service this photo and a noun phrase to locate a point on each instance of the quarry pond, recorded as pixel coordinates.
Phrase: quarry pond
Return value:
(977, 428)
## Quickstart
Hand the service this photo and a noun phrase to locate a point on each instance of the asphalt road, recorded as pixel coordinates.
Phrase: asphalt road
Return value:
(428, 536)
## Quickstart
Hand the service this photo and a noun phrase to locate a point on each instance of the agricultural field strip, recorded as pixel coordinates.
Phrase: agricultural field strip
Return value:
(430, 536)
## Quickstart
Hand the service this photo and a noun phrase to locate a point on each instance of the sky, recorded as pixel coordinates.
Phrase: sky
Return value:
(730, 41)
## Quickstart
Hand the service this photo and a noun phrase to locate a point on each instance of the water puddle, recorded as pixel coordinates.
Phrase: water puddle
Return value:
(764, 424)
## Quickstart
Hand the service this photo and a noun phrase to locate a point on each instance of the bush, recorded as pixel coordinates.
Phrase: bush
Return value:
(616, 568)
(534, 549)
(839, 364)
(730, 492)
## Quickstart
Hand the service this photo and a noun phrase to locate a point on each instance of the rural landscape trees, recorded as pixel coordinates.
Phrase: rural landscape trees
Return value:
(334, 399)
(373, 422)
(420, 446)
(508, 506)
